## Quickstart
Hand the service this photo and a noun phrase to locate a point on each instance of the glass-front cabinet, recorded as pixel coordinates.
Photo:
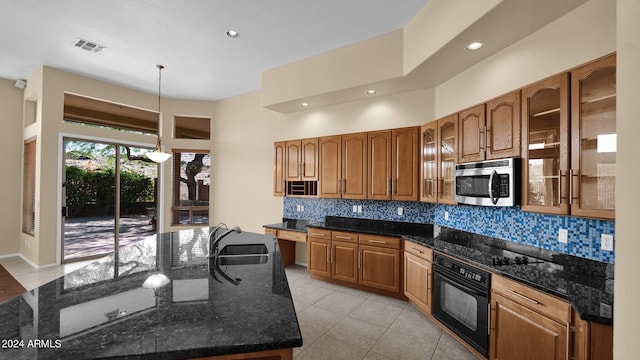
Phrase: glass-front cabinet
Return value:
(569, 155)
(593, 131)
(438, 146)
(545, 150)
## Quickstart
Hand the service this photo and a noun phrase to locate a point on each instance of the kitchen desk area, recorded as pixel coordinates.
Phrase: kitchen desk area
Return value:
(198, 309)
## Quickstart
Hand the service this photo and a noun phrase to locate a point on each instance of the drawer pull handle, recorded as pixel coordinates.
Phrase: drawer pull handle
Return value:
(416, 250)
(317, 234)
(377, 241)
(522, 296)
(344, 237)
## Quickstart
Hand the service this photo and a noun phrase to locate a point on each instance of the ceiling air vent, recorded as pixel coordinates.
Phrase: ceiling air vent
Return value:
(88, 45)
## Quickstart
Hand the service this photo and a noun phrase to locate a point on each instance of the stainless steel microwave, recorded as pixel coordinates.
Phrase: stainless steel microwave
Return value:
(488, 183)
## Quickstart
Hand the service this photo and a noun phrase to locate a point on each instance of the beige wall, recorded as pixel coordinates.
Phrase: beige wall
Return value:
(626, 312)
(11, 165)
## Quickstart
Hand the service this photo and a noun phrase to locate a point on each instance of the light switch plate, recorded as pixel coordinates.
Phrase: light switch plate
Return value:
(563, 236)
(400, 211)
(446, 215)
(359, 208)
(355, 208)
(606, 242)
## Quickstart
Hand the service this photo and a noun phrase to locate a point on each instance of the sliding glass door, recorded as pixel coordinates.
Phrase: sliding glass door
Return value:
(109, 197)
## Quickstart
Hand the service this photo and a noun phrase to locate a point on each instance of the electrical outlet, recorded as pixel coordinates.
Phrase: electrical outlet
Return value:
(359, 208)
(563, 236)
(301, 207)
(606, 242)
(355, 208)
(297, 207)
(400, 211)
(446, 215)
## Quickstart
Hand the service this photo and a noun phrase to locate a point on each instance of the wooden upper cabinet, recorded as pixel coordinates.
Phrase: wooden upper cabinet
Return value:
(354, 166)
(491, 130)
(330, 149)
(503, 126)
(301, 158)
(438, 158)
(405, 163)
(379, 160)
(471, 134)
(593, 139)
(545, 146)
(343, 166)
(278, 169)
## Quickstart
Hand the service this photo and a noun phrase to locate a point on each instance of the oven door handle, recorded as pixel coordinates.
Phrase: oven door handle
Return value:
(457, 284)
(493, 200)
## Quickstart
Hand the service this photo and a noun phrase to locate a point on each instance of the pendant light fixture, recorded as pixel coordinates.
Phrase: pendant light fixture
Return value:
(157, 155)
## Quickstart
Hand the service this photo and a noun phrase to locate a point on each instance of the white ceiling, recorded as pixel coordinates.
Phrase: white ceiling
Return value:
(187, 37)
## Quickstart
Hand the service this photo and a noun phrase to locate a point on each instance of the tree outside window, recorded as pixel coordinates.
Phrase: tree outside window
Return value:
(191, 184)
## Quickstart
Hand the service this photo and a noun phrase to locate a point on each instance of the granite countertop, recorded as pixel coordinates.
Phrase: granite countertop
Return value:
(586, 284)
(103, 311)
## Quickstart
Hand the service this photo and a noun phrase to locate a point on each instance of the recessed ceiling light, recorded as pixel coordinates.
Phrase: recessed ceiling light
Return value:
(232, 34)
(474, 46)
(304, 104)
(371, 92)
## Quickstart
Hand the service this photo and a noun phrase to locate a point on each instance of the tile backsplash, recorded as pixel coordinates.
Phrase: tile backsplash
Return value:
(507, 223)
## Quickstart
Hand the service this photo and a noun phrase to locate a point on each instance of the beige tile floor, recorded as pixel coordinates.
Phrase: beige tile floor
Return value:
(343, 323)
(31, 277)
(336, 322)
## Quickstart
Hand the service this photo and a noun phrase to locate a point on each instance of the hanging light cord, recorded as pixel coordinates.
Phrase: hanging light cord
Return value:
(160, 67)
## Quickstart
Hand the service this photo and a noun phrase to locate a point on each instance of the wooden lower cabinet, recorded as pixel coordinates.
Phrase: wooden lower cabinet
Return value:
(344, 264)
(418, 276)
(380, 267)
(319, 256)
(519, 333)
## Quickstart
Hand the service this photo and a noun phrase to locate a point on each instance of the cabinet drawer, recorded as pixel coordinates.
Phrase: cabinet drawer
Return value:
(545, 304)
(418, 250)
(344, 236)
(378, 240)
(292, 235)
(319, 233)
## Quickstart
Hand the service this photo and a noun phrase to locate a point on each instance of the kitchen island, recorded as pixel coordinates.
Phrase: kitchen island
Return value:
(202, 309)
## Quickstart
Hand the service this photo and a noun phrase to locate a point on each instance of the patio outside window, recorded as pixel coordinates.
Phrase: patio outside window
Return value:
(191, 184)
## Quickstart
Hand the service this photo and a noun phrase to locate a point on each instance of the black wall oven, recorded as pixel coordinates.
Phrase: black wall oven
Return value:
(461, 300)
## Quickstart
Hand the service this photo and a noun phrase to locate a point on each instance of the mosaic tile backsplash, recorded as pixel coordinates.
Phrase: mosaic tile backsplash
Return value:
(507, 223)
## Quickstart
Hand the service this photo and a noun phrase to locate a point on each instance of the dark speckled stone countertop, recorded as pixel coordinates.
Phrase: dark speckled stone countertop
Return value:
(586, 284)
(103, 311)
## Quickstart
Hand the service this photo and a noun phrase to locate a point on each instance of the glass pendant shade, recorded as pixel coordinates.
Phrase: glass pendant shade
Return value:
(157, 155)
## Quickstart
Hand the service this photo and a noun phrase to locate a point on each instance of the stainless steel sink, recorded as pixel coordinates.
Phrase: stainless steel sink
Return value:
(242, 254)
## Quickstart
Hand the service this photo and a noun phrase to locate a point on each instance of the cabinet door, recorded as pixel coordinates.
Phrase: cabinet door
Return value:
(319, 256)
(545, 146)
(293, 163)
(503, 126)
(344, 264)
(405, 163)
(309, 159)
(380, 268)
(519, 333)
(447, 158)
(379, 160)
(471, 134)
(279, 168)
(429, 162)
(330, 164)
(354, 166)
(593, 139)
(417, 281)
